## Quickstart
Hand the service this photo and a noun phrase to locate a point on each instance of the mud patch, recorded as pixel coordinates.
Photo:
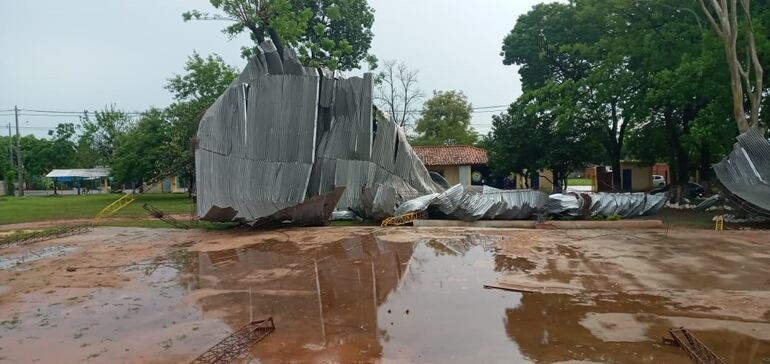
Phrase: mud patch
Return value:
(18, 261)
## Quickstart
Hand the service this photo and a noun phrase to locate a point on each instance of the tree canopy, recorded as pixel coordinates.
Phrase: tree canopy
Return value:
(332, 33)
(647, 80)
(194, 91)
(445, 119)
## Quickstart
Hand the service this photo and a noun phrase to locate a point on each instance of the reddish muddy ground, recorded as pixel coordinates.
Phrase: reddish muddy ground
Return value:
(401, 295)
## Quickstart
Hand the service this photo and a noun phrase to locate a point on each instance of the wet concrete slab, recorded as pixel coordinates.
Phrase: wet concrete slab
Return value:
(392, 296)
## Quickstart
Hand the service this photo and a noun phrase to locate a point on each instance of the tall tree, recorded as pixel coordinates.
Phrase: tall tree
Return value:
(445, 119)
(746, 79)
(332, 33)
(537, 133)
(194, 91)
(398, 92)
(99, 136)
(140, 149)
(566, 45)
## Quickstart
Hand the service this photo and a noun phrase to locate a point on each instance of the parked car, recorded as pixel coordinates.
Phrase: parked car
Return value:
(658, 181)
(693, 190)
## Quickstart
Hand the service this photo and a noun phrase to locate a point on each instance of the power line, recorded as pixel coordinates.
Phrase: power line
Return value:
(75, 112)
(68, 112)
(491, 107)
(49, 115)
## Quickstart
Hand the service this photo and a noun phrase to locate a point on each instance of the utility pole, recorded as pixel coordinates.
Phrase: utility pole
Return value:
(20, 163)
(10, 144)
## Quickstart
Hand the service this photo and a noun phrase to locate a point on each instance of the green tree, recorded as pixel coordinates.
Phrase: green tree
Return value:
(140, 149)
(332, 33)
(566, 46)
(194, 92)
(746, 78)
(99, 136)
(445, 119)
(537, 133)
(647, 73)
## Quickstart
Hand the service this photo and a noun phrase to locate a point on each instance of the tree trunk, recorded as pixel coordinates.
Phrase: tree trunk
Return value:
(736, 87)
(276, 41)
(704, 167)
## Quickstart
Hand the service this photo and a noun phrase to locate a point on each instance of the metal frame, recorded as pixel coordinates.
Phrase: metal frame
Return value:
(238, 343)
(697, 350)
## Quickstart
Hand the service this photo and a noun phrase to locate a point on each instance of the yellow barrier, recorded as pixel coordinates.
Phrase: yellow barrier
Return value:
(719, 224)
(115, 206)
(403, 219)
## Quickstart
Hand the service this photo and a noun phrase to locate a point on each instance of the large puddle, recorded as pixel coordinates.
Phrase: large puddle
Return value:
(359, 300)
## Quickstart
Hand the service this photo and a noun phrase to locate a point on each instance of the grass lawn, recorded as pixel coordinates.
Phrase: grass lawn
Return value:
(26, 209)
(579, 182)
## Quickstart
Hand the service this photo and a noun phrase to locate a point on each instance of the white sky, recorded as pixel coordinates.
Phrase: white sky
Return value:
(76, 55)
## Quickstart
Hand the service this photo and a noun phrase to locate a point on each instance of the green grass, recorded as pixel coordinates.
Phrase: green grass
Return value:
(27, 209)
(579, 182)
(158, 224)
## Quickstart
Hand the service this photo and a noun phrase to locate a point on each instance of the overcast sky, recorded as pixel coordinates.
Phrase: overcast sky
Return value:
(76, 55)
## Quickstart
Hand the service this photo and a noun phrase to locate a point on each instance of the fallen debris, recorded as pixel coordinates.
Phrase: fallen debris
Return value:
(159, 214)
(404, 219)
(238, 343)
(523, 289)
(284, 136)
(471, 203)
(697, 350)
(745, 173)
(605, 204)
(21, 238)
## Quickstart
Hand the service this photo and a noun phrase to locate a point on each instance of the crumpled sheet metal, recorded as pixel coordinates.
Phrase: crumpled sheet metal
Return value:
(605, 204)
(361, 150)
(472, 203)
(253, 153)
(745, 172)
(282, 134)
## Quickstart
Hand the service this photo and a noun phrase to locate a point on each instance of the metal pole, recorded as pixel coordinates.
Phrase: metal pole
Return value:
(20, 162)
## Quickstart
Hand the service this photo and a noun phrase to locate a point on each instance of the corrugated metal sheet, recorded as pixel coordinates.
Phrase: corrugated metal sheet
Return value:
(282, 134)
(605, 204)
(479, 203)
(745, 172)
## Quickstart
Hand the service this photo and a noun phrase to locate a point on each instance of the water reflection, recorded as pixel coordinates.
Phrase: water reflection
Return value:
(362, 299)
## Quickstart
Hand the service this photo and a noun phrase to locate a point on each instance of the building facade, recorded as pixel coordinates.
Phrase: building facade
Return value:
(458, 164)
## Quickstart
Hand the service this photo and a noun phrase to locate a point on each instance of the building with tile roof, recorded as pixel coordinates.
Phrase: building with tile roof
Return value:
(456, 163)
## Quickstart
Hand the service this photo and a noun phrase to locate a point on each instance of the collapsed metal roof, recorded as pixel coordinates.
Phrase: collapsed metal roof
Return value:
(283, 134)
(479, 202)
(745, 173)
(605, 204)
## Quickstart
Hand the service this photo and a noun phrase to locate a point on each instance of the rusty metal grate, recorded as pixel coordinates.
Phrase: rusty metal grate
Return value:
(238, 343)
(698, 352)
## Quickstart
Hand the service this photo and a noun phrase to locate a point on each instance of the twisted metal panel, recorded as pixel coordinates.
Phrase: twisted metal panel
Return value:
(605, 204)
(745, 172)
(283, 134)
(479, 203)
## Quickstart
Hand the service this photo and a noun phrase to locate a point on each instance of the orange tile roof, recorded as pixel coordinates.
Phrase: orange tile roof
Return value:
(451, 155)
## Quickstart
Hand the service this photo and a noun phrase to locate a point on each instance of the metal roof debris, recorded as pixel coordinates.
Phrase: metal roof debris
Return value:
(284, 143)
(745, 173)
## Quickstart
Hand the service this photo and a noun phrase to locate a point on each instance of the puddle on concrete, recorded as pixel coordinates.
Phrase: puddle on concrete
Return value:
(13, 261)
(357, 300)
(424, 302)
